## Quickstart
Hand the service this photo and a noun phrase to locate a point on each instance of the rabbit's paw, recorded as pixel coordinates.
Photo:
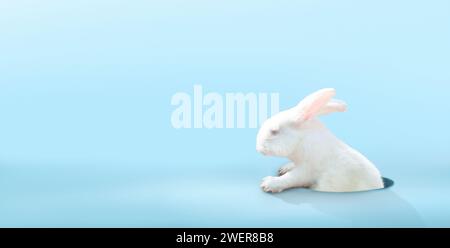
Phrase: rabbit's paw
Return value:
(286, 168)
(272, 184)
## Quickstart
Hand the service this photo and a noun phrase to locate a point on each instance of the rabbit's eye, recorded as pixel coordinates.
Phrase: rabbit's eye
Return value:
(274, 132)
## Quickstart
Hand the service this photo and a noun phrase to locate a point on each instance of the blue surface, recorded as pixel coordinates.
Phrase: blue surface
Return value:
(85, 89)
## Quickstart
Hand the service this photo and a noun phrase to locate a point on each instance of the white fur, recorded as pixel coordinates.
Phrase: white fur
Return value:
(319, 160)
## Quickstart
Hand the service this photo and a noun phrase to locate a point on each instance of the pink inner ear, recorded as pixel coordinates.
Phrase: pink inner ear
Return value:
(312, 104)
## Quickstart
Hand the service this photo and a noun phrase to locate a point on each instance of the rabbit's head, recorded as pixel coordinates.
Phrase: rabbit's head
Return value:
(280, 134)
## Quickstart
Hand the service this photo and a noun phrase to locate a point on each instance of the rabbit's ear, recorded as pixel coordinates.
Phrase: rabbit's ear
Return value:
(334, 105)
(311, 105)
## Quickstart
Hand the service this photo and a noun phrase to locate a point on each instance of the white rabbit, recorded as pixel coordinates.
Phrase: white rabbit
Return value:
(319, 160)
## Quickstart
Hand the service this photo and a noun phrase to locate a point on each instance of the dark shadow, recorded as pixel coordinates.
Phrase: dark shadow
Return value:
(381, 207)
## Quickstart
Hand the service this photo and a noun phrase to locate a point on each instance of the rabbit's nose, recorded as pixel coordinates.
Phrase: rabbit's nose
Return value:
(260, 149)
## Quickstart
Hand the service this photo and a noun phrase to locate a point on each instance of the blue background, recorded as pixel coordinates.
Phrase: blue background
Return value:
(85, 90)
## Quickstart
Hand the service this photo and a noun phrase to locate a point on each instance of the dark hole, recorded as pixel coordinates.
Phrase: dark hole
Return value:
(387, 182)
